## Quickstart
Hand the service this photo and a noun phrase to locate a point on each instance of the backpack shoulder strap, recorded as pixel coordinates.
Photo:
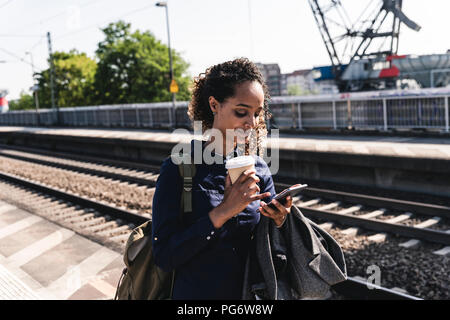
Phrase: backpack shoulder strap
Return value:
(187, 172)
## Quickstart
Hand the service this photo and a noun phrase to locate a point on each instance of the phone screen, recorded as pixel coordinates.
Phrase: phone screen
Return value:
(292, 191)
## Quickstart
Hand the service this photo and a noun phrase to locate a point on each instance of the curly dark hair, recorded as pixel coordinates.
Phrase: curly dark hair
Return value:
(220, 82)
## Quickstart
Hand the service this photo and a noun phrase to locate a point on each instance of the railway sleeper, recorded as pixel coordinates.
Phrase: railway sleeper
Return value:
(352, 231)
(38, 199)
(400, 218)
(330, 206)
(102, 227)
(350, 210)
(120, 238)
(30, 194)
(428, 223)
(115, 231)
(373, 214)
(67, 213)
(308, 203)
(443, 252)
(416, 242)
(80, 218)
(91, 222)
(55, 207)
(48, 206)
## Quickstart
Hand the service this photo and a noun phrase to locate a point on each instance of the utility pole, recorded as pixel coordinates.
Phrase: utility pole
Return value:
(52, 75)
(173, 84)
(34, 88)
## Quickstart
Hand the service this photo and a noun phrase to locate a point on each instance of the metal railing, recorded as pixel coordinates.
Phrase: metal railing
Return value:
(420, 110)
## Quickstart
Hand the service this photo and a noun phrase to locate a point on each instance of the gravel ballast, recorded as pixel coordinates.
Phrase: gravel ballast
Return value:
(417, 270)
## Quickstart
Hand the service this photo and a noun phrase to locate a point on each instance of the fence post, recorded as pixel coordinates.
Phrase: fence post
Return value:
(334, 115)
(121, 117)
(299, 108)
(349, 114)
(108, 118)
(446, 114)
(150, 118)
(138, 122)
(384, 115)
(169, 110)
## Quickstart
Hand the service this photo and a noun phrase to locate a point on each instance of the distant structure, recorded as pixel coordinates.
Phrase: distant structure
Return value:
(4, 106)
(363, 52)
(272, 75)
(298, 82)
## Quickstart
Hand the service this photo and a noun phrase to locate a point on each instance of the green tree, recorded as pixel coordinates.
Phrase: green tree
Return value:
(134, 67)
(297, 90)
(74, 80)
(25, 102)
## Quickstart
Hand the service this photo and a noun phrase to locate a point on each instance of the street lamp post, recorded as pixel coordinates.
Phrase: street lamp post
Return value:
(34, 88)
(164, 4)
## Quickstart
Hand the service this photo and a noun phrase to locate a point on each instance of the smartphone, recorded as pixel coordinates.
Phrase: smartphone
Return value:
(291, 191)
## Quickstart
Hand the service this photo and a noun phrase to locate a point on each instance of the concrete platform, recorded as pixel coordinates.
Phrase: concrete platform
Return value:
(411, 147)
(393, 163)
(41, 260)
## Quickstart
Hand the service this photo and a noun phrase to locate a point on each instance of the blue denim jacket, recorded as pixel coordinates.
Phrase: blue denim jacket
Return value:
(209, 262)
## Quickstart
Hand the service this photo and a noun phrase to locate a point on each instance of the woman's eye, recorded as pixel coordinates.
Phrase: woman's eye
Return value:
(243, 114)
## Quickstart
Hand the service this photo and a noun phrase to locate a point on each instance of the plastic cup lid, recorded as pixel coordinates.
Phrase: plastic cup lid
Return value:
(238, 162)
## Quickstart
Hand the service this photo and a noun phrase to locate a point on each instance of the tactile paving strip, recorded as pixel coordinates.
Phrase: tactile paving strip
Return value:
(11, 288)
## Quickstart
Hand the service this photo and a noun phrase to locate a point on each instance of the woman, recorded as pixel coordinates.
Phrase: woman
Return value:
(209, 248)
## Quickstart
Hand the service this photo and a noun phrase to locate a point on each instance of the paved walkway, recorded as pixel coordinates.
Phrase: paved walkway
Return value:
(41, 260)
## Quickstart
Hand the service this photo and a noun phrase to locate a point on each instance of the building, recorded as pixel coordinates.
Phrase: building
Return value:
(272, 76)
(299, 82)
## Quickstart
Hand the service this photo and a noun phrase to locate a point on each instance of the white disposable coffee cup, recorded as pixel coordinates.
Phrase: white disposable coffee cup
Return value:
(236, 166)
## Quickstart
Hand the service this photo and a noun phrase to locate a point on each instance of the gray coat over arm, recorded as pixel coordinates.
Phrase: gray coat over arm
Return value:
(299, 260)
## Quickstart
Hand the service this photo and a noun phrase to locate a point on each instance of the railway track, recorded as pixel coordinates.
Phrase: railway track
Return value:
(119, 221)
(414, 220)
(111, 226)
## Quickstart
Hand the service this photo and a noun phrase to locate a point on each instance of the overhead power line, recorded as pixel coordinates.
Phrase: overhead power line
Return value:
(5, 3)
(47, 19)
(12, 54)
(20, 36)
(104, 21)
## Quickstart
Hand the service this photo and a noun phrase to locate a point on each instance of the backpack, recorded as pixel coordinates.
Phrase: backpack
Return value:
(142, 279)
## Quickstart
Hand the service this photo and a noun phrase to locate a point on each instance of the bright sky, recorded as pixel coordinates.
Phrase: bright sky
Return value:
(205, 32)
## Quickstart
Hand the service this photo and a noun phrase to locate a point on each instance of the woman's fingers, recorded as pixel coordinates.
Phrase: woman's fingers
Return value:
(260, 196)
(227, 181)
(279, 206)
(280, 209)
(245, 175)
(254, 189)
(288, 202)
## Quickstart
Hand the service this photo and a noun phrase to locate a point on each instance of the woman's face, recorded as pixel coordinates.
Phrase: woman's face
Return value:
(240, 111)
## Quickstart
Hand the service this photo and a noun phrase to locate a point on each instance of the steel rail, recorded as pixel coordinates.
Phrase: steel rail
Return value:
(102, 173)
(346, 219)
(379, 225)
(352, 287)
(84, 158)
(381, 202)
(361, 290)
(82, 201)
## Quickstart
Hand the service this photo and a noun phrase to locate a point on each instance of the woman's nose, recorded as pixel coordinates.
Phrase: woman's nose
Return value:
(250, 122)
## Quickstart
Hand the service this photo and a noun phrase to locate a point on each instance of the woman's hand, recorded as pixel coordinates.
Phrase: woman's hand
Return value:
(278, 215)
(237, 197)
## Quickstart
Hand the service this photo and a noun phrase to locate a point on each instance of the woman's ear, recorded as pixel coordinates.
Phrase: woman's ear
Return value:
(213, 104)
